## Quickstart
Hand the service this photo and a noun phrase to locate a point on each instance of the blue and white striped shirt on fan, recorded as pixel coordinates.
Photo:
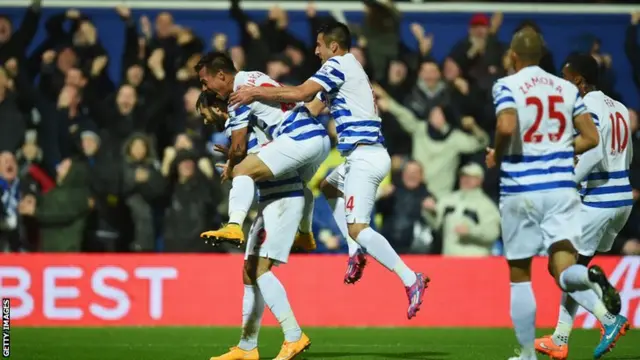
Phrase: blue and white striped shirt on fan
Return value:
(286, 186)
(539, 157)
(348, 94)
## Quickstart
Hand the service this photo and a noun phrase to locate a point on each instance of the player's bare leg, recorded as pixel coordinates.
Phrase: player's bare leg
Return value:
(523, 307)
(357, 256)
(304, 238)
(249, 171)
(253, 306)
(584, 286)
(275, 297)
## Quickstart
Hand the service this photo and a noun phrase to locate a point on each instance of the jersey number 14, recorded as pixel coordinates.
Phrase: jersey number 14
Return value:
(532, 135)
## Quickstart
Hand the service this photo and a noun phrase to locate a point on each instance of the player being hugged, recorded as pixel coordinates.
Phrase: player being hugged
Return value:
(607, 199)
(534, 147)
(296, 141)
(269, 243)
(345, 88)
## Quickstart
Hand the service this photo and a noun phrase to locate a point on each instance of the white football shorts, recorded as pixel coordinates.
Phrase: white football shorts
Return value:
(274, 229)
(600, 226)
(283, 155)
(536, 220)
(358, 178)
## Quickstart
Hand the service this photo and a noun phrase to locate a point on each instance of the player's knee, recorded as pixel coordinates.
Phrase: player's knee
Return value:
(329, 191)
(264, 266)
(355, 229)
(249, 273)
(520, 270)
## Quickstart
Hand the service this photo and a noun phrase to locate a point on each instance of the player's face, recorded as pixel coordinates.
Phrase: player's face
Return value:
(322, 50)
(568, 75)
(216, 84)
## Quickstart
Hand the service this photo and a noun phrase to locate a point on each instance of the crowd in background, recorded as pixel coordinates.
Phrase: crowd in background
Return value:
(93, 163)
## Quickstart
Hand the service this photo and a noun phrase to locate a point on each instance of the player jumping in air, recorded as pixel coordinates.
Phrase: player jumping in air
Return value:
(534, 148)
(345, 88)
(606, 204)
(297, 142)
(269, 243)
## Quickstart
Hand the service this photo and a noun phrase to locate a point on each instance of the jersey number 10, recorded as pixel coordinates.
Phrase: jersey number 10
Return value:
(619, 137)
(532, 135)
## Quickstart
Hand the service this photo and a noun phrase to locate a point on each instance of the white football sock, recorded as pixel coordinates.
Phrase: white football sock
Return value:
(240, 198)
(340, 216)
(575, 281)
(307, 211)
(575, 278)
(568, 309)
(252, 310)
(276, 299)
(523, 315)
(380, 249)
(589, 300)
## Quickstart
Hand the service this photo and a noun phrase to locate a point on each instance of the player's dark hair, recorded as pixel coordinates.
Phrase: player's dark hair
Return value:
(338, 32)
(215, 62)
(206, 99)
(586, 66)
(528, 23)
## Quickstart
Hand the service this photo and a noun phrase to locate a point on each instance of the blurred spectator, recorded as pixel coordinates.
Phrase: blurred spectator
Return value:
(401, 206)
(632, 47)
(10, 187)
(12, 120)
(437, 145)
(192, 206)
(479, 55)
(14, 42)
(468, 218)
(142, 186)
(62, 212)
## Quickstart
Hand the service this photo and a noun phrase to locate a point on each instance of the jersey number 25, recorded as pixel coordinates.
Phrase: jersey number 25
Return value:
(532, 135)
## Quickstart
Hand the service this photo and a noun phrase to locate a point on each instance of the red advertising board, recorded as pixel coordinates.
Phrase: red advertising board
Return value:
(99, 290)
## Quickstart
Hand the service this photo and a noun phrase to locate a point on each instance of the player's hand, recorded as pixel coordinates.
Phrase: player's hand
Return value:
(221, 149)
(490, 159)
(226, 172)
(245, 95)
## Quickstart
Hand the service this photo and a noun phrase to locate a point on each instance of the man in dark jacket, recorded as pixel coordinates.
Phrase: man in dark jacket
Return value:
(62, 212)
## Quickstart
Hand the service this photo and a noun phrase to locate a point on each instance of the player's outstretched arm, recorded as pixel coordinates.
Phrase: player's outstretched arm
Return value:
(247, 95)
(588, 137)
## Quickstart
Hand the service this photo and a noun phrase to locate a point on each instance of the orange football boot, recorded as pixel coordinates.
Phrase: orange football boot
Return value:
(235, 353)
(546, 346)
(230, 232)
(290, 350)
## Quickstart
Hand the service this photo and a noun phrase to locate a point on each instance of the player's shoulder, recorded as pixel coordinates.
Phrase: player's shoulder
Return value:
(251, 78)
(502, 86)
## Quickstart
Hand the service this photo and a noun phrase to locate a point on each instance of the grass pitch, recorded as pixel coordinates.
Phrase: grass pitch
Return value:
(180, 343)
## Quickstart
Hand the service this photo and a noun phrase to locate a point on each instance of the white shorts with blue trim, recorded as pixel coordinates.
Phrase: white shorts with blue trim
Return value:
(274, 229)
(359, 178)
(284, 154)
(533, 221)
(600, 226)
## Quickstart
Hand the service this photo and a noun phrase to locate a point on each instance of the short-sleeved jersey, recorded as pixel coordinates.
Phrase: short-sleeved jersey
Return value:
(275, 119)
(286, 185)
(349, 96)
(607, 186)
(539, 156)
